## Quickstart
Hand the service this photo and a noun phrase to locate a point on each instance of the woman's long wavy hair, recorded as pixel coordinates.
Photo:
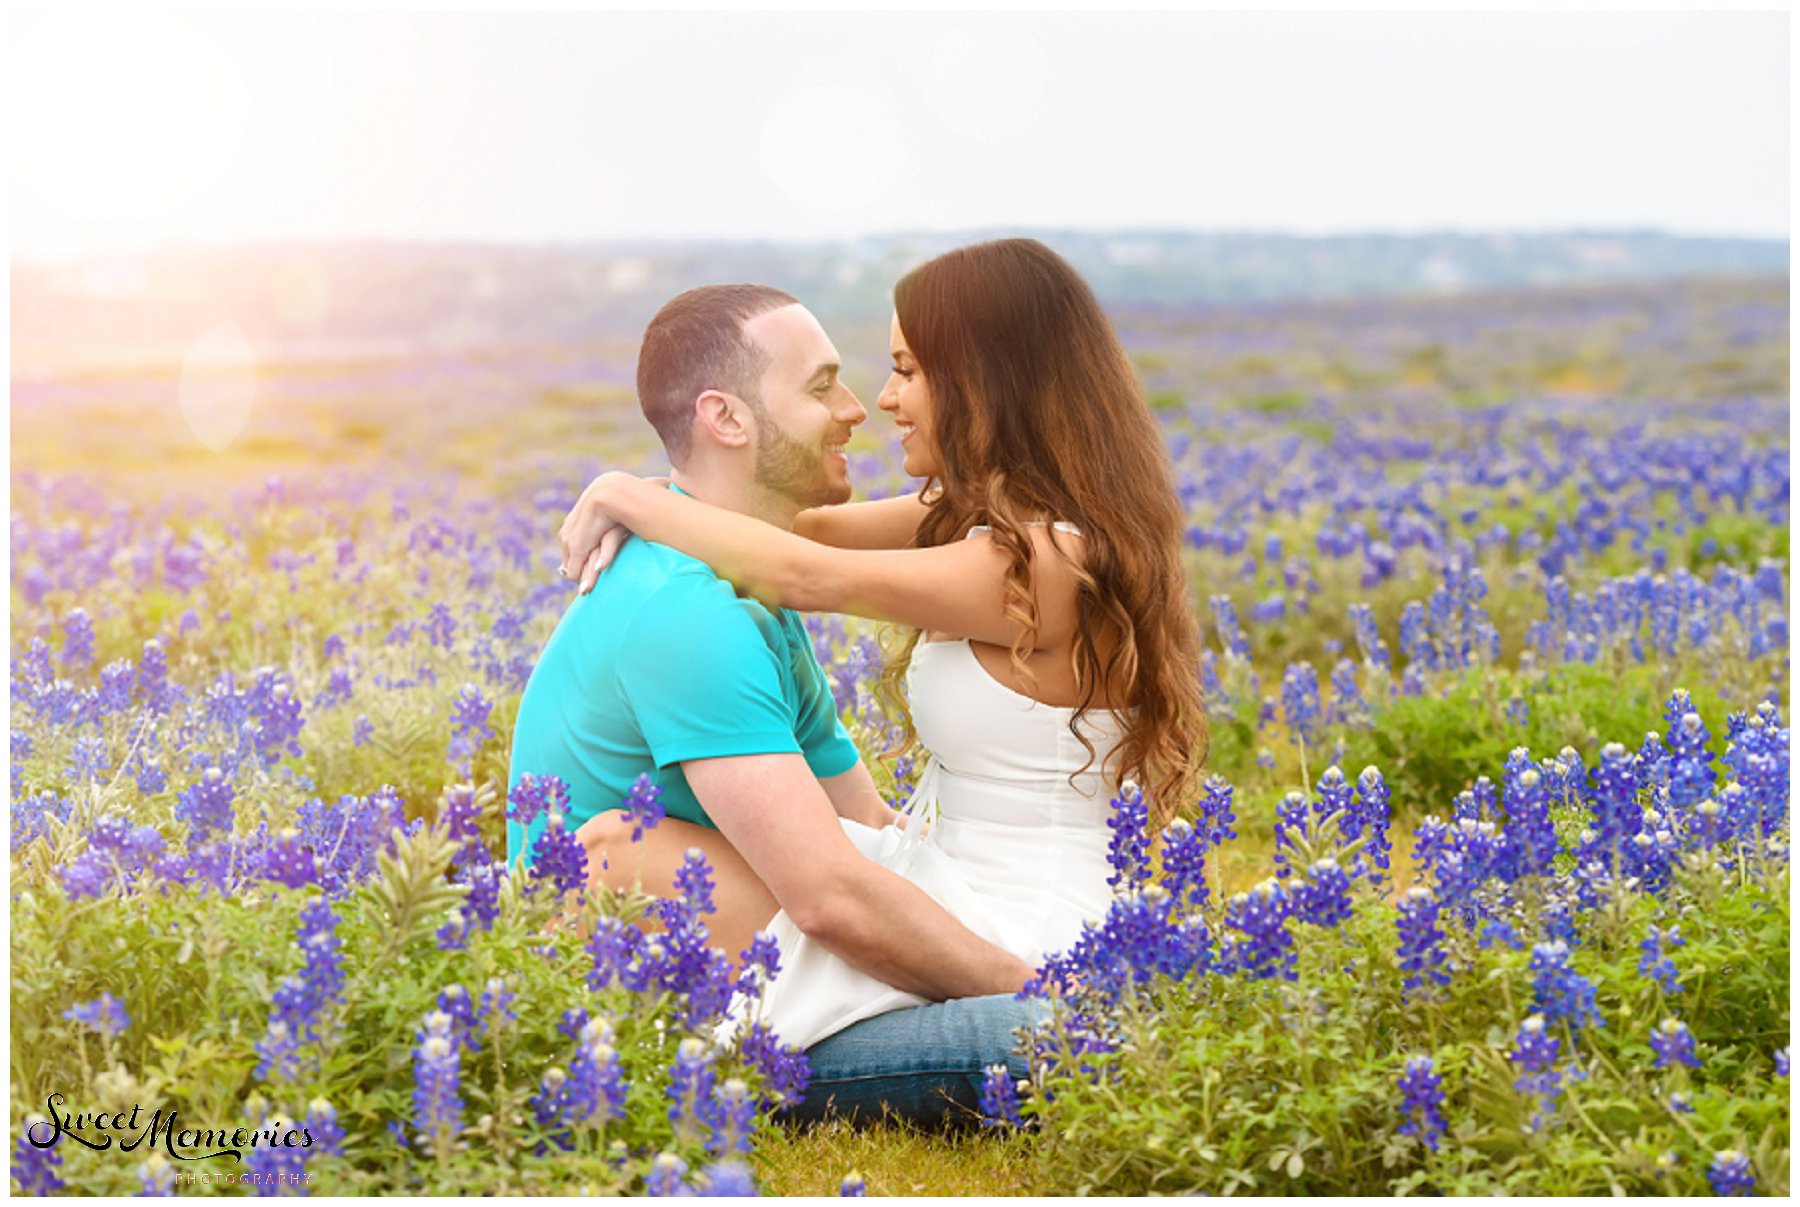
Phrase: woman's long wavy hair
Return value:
(1038, 415)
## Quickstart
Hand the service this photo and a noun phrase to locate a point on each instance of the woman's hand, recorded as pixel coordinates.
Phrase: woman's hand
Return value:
(591, 535)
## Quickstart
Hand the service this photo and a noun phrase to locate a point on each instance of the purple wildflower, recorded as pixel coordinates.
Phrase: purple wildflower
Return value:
(1423, 1101)
(1421, 951)
(999, 1098)
(105, 1014)
(643, 807)
(1128, 851)
(1673, 1044)
(1730, 1175)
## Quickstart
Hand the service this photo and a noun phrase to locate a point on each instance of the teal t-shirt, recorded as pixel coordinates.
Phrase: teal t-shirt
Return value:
(660, 663)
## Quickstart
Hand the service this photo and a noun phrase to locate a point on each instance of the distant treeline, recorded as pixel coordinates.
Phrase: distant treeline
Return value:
(343, 295)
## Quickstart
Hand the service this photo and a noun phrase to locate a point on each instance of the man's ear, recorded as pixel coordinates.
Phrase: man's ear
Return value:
(724, 417)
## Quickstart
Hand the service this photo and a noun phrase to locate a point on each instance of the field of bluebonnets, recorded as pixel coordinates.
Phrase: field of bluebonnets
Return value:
(1489, 893)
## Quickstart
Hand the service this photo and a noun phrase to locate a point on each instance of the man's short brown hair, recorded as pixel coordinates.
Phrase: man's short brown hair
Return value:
(697, 343)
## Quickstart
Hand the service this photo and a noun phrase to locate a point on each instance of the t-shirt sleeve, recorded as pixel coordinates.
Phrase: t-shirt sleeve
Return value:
(824, 741)
(701, 681)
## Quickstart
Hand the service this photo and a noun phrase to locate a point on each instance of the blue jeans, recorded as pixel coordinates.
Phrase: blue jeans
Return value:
(923, 1064)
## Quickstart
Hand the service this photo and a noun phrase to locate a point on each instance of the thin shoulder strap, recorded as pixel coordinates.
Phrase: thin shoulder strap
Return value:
(1059, 525)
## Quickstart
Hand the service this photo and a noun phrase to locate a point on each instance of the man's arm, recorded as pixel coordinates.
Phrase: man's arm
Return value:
(854, 795)
(778, 817)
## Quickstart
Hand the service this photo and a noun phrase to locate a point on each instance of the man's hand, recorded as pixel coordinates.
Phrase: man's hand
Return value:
(781, 821)
(589, 535)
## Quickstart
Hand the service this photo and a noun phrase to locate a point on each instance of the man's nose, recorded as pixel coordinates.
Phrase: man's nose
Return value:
(851, 409)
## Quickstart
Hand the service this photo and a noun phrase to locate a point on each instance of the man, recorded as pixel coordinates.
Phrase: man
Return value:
(663, 670)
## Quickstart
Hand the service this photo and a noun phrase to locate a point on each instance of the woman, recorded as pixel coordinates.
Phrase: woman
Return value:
(1053, 651)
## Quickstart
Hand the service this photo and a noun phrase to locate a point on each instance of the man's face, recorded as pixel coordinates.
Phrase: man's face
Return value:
(804, 414)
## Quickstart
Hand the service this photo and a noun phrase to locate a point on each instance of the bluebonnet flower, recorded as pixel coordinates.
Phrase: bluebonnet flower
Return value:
(35, 1168)
(461, 814)
(690, 1088)
(1617, 817)
(118, 680)
(761, 962)
(482, 905)
(1500, 932)
(299, 1002)
(440, 626)
(105, 1014)
(117, 854)
(21, 750)
(1323, 897)
(1231, 633)
(1184, 865)
(276, 709)
(1531, 839)
(454, 1000)
(1535, 1051)
(643, 807)
(573, 1020)
(1558, 992)
(88, 760)
(1423, 1101)
(362, 732)
(726, 1180)
(1730, 1174)
(559, 859)
(1681, 1102)
(1367, 816)
(535, 794)
(148, 773)
(1347, 704)
(1781, 1063)
(340, 686)
(78, 639)
(32, 816)
(1673, 1044)
(593, 1089)
(732, 1118)
(1300, 701)
(1655, 963)
(156, 1178)
(1421, 953)
(1216, 818)
(287, 860)
(437, 1088)
(1368, 637)
(853, 1186)
(999, 1098)
(1128, 852)
(327, 1133)
(1266, 949)
(469, 714)
(1293, 826)
(665, 1179)
(783, 1067)
(206, 806)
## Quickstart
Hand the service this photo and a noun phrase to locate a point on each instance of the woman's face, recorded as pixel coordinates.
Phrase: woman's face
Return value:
(908, 398)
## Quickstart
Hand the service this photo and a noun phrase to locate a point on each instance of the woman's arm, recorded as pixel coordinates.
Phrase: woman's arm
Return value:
(882, 524)
(958, 588)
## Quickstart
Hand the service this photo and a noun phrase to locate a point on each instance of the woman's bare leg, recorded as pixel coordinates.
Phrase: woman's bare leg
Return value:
(742, 904)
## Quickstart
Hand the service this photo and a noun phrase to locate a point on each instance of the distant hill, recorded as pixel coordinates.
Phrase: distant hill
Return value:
(329, 299)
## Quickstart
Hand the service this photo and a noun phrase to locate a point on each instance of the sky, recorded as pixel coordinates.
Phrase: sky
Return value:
(131, 131)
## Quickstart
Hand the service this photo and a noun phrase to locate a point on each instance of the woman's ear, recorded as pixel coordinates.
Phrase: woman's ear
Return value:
(723, 417)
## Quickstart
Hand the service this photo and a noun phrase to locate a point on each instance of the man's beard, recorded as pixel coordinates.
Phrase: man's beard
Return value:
(787, 468)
